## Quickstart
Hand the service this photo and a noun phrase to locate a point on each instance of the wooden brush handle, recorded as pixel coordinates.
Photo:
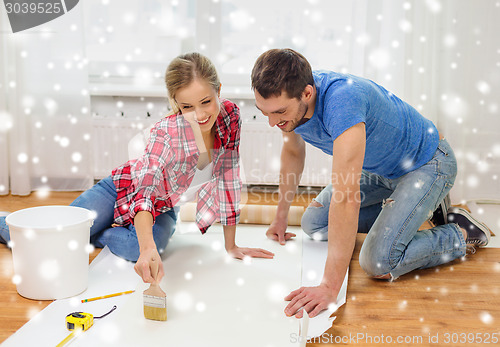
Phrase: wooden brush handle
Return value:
(154, 290)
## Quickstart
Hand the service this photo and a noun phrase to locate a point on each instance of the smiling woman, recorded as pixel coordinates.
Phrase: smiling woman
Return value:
(198, 103)
(194, 88)
(191, 154)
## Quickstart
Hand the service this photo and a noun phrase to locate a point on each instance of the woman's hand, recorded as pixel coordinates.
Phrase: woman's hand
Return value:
(242, 252)
(149, 266)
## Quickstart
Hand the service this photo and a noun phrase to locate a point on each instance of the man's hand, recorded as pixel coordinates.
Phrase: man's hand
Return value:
(312, 299)
(277, 232)
(242, 252)
(149, 266)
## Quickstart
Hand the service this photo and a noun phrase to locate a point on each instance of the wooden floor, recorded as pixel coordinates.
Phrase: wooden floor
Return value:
(457, 304)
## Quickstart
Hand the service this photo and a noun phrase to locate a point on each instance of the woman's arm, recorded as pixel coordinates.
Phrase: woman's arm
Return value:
(149, 265)
(230, 189)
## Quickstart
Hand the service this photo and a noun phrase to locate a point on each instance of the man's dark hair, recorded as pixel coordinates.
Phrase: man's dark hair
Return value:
(279, 70)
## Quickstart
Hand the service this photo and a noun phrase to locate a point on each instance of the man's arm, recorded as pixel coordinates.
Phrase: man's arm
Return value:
(344, 208)
(348, 156)
(293, 155)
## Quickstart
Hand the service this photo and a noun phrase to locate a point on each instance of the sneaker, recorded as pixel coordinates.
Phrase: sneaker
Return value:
(440, 216)
(477, 233)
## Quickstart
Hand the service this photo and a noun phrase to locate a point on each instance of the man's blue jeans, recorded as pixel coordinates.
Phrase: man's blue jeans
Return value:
(392, 210)
(122, 241)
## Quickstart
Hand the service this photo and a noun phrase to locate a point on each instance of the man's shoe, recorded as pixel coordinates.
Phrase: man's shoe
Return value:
(440, 216)
(477, 233)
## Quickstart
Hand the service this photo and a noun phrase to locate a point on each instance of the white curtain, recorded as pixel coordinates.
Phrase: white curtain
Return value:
(45, 107)
(442, 57)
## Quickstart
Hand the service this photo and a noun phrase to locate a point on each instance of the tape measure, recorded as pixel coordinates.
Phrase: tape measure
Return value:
(79, 321)
(82, 320)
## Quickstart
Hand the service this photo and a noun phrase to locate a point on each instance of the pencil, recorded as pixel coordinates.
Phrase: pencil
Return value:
(107, 296)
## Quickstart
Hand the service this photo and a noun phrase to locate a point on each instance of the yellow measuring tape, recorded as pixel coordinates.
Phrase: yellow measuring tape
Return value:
(78, 322)
(67, 339)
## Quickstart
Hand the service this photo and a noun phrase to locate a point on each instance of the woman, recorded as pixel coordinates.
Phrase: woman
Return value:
(192, 153)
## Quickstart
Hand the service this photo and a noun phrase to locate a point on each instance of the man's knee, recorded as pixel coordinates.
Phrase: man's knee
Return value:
(374, 262)
(314, 203)
(307, 219)
(306, 224)
(310, 225)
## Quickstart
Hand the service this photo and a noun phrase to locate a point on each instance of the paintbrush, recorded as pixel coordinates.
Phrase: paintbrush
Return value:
(155, 303)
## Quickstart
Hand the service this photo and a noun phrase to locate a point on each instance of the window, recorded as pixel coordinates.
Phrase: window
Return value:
(130, 39)
(318, 29)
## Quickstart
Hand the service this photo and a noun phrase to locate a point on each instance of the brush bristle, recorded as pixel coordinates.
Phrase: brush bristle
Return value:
(155, 313)
(155, 304)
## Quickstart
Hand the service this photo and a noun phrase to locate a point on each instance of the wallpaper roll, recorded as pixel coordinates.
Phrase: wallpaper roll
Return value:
(250, 214)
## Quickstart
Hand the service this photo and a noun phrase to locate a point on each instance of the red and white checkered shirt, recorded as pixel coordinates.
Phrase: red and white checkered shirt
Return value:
(156, 181)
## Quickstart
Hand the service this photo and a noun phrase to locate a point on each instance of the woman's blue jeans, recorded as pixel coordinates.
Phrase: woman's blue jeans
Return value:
(121, 240)
(392, 210)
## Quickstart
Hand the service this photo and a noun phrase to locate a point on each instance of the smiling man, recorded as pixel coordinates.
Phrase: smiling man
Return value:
(391, 169)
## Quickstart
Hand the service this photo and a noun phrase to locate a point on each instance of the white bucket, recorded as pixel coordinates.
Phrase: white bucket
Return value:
(50, 251)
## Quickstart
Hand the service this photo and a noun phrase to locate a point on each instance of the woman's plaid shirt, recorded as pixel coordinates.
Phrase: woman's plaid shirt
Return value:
(156, 181)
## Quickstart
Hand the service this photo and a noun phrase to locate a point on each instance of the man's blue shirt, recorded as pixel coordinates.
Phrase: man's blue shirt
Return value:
(398, 138)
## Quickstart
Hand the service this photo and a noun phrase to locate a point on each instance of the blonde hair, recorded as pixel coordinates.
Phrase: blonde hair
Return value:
(186, 68)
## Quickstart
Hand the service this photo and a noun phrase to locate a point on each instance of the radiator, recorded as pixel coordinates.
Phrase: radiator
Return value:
(260, 150)
(110, 137)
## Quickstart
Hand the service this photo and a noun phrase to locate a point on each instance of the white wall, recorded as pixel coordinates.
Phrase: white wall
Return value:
(441, 56)
(44, 87)
(468, 94)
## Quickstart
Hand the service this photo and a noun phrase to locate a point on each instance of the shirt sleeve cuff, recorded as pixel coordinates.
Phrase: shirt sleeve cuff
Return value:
(233, 219)
(139, 205)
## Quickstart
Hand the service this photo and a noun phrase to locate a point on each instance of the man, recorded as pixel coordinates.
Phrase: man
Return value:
(391, 169)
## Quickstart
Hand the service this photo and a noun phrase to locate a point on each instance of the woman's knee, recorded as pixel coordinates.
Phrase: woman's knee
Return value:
(164, 228)
(121, 241)
(162, 238)
(128, 252)
(4, 231)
